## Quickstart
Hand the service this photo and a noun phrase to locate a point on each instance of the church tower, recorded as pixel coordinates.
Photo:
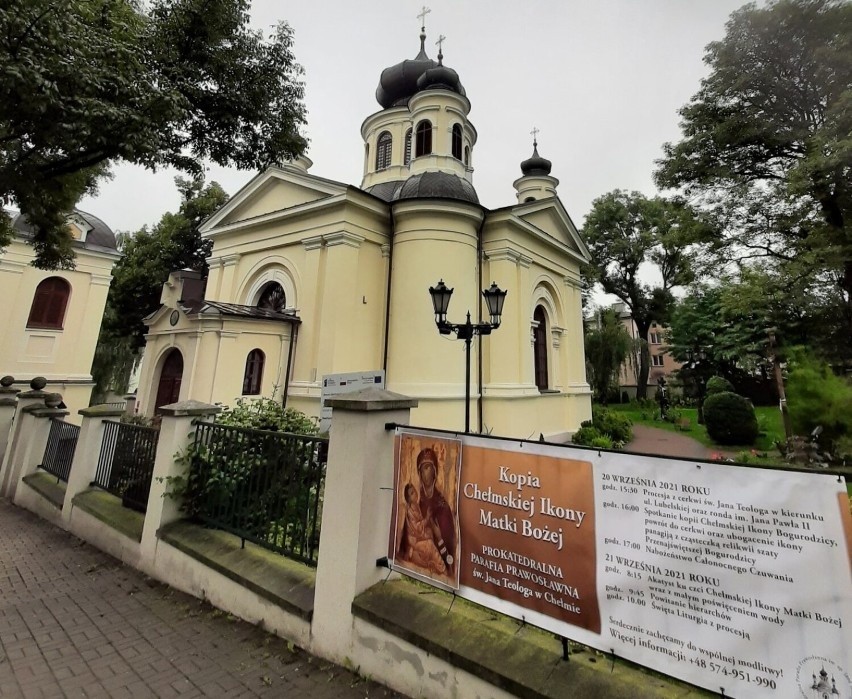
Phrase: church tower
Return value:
(418, 158)
(536, 182)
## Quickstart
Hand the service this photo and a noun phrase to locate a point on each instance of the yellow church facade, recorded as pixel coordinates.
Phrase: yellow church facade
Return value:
(310, 277)
(51, 318)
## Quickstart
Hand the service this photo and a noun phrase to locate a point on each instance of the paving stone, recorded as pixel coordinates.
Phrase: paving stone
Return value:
(75, 623)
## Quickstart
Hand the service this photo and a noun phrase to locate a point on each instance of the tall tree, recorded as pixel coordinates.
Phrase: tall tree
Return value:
(86, 83)
(766, 144)
(608, 346)
(148, 256)
(628, 233)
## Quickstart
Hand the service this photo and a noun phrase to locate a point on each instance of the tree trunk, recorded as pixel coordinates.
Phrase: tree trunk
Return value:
(644, 365)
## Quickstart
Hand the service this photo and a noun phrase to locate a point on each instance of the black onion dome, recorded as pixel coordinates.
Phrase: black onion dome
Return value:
(536, 165)
(436, 185)
(440, 78)
(398, 83)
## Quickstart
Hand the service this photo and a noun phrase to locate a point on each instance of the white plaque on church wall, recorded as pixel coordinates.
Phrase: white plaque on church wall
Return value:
(730, 577)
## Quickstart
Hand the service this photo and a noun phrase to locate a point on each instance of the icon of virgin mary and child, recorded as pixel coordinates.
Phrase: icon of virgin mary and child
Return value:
(428, 538)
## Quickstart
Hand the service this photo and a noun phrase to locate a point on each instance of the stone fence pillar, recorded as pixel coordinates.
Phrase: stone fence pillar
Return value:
(175, 436)
(8, 405)
(35, 429)
(356, 511)
(19, 436)
(87, 452)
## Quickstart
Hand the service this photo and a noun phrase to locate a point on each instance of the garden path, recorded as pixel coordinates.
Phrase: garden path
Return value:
(653, 440)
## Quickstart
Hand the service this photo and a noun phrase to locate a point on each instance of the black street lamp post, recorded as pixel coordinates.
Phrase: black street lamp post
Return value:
(494, 298)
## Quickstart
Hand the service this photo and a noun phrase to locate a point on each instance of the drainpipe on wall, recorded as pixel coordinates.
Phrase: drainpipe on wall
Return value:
(388, 296)
(479, 256)
(294, 335)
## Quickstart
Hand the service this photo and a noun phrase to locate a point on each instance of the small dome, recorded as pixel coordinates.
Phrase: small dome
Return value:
(536, 165)
(398, 83)
(436, 185)
(440, 78)
(100, 235)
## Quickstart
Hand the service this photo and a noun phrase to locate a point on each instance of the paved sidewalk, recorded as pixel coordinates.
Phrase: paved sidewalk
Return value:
(75, 622)
(653, 440)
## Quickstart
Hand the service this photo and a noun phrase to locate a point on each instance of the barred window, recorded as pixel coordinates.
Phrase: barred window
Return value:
(383, 150)
(407, 158)
(424, 139)
(457, 141)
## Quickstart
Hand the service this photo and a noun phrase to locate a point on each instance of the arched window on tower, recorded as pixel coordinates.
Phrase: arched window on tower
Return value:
(540, 348)
(254, 373)
(457, 141)
(467, 156)
(49, 304)
(424, 139)
(383, 150)
(272, 298)
(407, 158)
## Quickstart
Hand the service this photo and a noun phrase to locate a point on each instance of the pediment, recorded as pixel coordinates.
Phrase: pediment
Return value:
(550, 217)
(275, 189)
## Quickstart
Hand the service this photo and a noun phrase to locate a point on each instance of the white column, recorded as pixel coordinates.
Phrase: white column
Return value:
(35, 429)
(175, 438)
(10, 467)
(87, 452)
(8, 405)
(356, 511)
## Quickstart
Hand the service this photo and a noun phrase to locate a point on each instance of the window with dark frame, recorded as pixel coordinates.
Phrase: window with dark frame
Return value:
(467, 156)
(273, 298)
(424, 139)
(657, 360)
(383, 150)
(540, 349)
(49, 304)
(254, 373)
(457, 141)
(407, 158)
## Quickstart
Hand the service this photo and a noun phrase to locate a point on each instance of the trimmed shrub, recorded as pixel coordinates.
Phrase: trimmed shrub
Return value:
(586, 435)
(730, 419)
(613, 424)
(719, 384)
(602, 442)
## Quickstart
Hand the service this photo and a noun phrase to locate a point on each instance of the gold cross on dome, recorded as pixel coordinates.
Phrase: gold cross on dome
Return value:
(422, 16)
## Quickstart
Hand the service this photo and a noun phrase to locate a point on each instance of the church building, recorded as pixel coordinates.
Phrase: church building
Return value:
(310, 277)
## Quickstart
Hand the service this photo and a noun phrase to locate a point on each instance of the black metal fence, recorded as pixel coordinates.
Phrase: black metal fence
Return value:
(59, 452)
(126, 464)
(265, 487)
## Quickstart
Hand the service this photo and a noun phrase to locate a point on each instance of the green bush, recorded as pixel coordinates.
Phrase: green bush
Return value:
(612, 423)
(719, 384)
(730, 419)
(267, 414)
(817, 397)
(602, 442)
(586, 435)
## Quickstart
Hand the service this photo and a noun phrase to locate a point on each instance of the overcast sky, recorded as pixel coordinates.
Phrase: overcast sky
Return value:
(601, 79)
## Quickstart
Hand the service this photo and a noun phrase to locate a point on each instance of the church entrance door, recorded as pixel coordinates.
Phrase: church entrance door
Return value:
(168, 391)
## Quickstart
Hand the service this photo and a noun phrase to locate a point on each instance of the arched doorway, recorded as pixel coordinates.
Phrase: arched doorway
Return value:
(168, 389)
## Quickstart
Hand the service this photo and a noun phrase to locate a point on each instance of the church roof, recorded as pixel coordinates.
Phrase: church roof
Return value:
(243, 311)
(426, 185)
(100, 235)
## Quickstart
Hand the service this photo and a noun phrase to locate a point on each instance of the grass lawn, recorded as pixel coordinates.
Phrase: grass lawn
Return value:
(768, 419)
